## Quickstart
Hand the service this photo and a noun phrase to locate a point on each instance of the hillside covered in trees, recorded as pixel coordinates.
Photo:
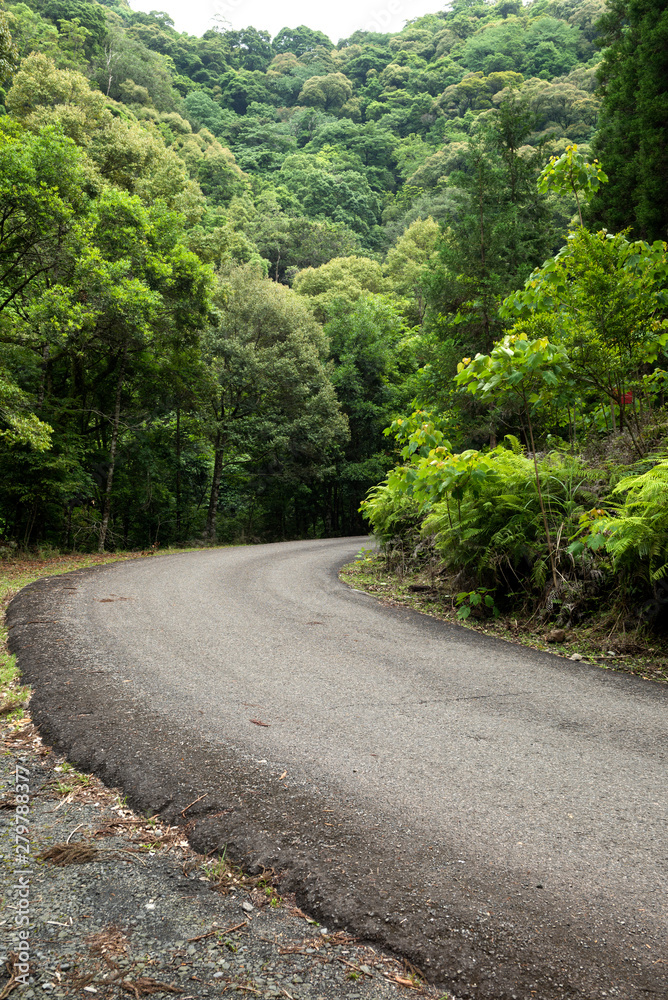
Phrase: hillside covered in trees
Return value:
(228, 264)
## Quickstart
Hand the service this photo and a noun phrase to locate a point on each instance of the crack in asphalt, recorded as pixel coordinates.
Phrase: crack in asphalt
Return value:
(433, 701)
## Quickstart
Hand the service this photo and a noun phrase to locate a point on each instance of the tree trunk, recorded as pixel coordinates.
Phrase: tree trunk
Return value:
(30, 525)
(42, 384)
(106, 505)
(210, 530)
(68, 534)
(178, 473)
(550, 550)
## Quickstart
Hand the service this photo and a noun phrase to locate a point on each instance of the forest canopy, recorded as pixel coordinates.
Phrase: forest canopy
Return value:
(244, 280)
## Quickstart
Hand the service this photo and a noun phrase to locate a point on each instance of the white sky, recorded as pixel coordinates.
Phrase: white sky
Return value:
(337, 20)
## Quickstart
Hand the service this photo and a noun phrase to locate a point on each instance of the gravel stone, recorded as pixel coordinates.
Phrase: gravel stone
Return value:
(278, 948)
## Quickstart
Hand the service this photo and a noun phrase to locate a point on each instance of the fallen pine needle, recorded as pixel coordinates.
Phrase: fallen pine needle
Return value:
(198, 799)
(237, 927)
(402, 982)
(12, 968)
(145, 986)
(70, 854)
(201, 937)
(82, 854)
(355, 967)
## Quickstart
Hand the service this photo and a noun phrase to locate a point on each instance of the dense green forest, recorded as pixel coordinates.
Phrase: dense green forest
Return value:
(245, 280)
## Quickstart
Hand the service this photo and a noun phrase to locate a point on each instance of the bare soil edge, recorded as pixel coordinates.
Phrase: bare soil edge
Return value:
(526, 946)
(599, 640)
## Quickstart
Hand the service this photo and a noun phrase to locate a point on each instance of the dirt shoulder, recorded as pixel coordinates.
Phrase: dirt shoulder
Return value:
(597, 642)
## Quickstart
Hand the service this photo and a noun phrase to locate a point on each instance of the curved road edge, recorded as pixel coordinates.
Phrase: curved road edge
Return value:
(352, 879)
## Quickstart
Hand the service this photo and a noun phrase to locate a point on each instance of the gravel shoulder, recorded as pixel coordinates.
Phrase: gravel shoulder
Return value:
(121, 905)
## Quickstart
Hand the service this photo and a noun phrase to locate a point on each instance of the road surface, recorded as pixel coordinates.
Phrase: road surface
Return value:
(495, 813)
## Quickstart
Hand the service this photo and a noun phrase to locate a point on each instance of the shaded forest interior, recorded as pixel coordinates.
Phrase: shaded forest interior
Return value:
(245, 280)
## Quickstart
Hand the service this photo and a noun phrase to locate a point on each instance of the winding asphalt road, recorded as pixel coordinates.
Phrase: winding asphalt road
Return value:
(495, 813)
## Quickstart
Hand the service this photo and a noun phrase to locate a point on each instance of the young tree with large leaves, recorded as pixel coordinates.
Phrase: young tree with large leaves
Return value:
(523, 367)
(607, 298)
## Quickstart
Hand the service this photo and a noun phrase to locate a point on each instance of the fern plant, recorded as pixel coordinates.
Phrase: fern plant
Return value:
(391, 512)
(636, 533)
(496, 531)
(484, 513)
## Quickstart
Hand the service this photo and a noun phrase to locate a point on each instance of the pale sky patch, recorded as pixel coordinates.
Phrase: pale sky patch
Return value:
(337, 20)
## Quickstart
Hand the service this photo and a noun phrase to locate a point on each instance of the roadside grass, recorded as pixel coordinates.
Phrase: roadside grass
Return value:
(228, 877)
(597, 641)
(70, 779)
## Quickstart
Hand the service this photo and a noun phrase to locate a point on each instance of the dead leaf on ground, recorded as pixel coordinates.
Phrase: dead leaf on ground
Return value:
(109, 941)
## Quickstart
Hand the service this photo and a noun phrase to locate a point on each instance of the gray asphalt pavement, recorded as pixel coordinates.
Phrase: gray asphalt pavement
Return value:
(495, 813)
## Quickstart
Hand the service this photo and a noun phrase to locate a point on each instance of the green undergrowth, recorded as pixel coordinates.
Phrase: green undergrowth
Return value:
(601, 640)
